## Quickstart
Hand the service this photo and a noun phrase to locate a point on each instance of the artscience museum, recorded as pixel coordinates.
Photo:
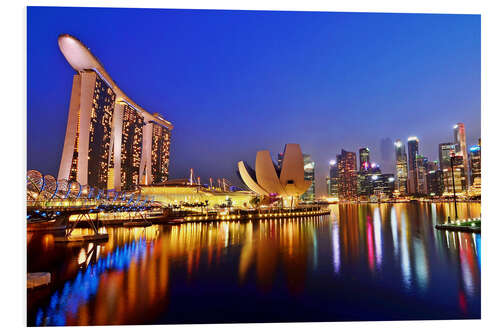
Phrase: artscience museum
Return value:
(267, 179)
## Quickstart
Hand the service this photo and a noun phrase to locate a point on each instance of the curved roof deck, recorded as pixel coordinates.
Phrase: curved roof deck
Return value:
(81, 59)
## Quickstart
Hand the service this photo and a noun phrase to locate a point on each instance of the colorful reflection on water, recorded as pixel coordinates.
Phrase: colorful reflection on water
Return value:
(363, 262)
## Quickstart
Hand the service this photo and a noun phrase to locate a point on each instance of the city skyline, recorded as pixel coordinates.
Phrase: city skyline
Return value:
(185, 83)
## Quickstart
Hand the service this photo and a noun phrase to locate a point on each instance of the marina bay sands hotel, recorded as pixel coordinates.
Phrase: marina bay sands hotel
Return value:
(111, 142)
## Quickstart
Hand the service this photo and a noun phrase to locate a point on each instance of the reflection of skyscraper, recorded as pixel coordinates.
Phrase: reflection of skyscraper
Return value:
(401, 167)
(309, 167)
(348, 181)
(110, 142)
(412, 164)
(461, 150)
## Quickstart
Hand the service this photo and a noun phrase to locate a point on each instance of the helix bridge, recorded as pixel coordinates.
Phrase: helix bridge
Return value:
(56, 200)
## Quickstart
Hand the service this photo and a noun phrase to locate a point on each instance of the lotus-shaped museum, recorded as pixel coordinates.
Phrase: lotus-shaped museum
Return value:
(270, 180)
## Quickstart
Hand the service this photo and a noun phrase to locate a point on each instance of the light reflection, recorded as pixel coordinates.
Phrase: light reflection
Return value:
(394, 231)
(378, 236)
(129, 278)
(336, 247)
(405, 252)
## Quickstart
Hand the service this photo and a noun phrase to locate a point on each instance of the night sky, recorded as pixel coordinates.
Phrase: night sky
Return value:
(234, 82)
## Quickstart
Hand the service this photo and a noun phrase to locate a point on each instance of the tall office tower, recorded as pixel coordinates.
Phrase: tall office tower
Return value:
(435, 186)
(366, 177)
(461, 150)
(309, 167)
(421, 174)
(446, 150)
(412, 164)
(347, 175)
(333, 180)
(364, 158)
(111, 142)
(457, 176)
(475, 168)
(401, 168)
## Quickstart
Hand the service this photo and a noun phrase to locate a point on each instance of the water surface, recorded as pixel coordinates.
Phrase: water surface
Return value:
(363, 262)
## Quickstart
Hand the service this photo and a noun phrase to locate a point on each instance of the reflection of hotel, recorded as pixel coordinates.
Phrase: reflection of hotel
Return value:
(111, 142)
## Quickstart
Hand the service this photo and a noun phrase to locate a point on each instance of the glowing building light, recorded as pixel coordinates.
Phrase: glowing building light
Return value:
(333, 162)
(412, 138)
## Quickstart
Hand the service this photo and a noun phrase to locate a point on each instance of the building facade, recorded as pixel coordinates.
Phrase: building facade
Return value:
(454, 178)
(461, 148)
(364, 158)
(309, 169)
(110, 142)
(421, 174)
(332, 182)
(413, 143)
(401, 168)
(475, 168)
(435, 185)
(348, 179)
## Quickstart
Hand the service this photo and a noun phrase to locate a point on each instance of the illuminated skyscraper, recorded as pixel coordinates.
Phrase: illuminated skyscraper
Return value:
(309, 168)
(421, 174)
(446, 150)
(475, 168)
(364, 158)
(435, 186)
(401, 168)
(333, 180)
(348, 180)
(412, 164)
(456, 176)
(111, 142)
(461, 149)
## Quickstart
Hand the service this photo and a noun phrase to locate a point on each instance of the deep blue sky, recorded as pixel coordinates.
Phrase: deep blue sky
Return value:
(234, 82)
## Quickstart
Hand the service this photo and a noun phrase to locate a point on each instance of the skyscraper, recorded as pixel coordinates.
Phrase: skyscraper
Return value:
(421, 174)
(364, 158)
(446, 150)
(475, 168)
(309, 168)
(455, 175)
(333, 180)
(111, 142)
(347, 175)
(401, 167)
(435, 186)
(461, 149)
(412, 164)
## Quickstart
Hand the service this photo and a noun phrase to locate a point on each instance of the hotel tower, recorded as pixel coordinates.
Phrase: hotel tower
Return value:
(111, 142)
